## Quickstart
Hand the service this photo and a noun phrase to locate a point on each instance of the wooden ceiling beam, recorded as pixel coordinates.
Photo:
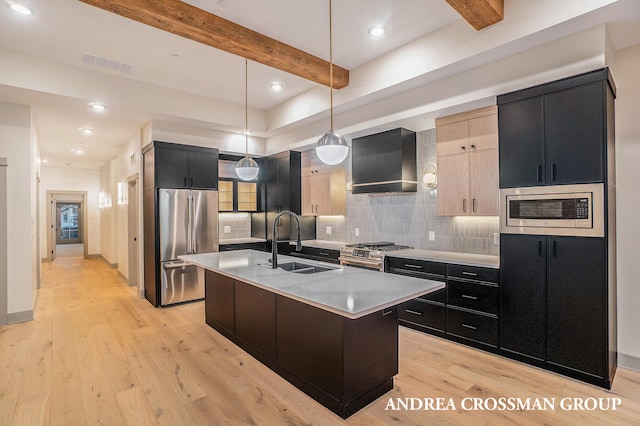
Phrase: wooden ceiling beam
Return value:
(479, 13)
(188, 21)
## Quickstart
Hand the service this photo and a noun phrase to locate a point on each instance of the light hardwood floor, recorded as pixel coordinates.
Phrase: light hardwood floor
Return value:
(96, 353)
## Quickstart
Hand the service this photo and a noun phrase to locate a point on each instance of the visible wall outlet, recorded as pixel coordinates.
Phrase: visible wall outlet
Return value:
(227, 229)
(432, 236)
(328, 230)
(357, 232)
(496, 238)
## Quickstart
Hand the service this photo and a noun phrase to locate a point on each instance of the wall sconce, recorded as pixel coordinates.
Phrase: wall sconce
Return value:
(430, 177)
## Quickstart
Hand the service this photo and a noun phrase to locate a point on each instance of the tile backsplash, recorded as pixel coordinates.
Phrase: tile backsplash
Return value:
(409, 218)
(239, 225)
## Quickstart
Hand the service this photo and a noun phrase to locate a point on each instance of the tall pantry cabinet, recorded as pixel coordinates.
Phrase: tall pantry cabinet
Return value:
(558, 293)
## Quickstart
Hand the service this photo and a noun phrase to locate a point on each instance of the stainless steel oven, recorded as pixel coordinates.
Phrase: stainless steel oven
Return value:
(368, 255)
(576, 210)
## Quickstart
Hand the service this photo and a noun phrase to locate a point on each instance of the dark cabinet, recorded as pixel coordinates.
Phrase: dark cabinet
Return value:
(242, 246)
(342, 363)
(316, 253)
(553, 302)
(283, 191)
(522, 294)
(426, 313)
(219, 296)
(473, 305)
(255, 317)
(182, 166)
(576, 312)
(555, 133)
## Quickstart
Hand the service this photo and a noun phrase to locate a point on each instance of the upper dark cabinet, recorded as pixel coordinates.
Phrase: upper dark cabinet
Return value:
(184, 166)
(556, 133)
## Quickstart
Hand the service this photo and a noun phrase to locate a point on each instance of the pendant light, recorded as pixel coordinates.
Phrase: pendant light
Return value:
(331, 148)
(247, 168)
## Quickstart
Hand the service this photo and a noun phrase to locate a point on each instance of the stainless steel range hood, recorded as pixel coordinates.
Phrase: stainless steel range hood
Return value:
(384, 162)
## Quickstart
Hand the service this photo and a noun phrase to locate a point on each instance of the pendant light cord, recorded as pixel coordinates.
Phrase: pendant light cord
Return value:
(330, 69)
(246, 108)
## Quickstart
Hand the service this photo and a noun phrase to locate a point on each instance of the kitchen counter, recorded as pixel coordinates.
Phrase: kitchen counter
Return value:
(332, 334)
(348, 292)
(468, 259)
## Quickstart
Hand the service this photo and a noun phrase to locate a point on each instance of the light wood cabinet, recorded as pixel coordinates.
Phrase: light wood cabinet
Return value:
(467, 153)
(324, 190)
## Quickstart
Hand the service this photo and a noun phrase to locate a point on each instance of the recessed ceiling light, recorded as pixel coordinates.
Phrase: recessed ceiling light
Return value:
(86, 131)
(78, 151)
(97, 107)
(222, 3)
(376, 31)
(21, 9)
(44, 160)
(276, 86)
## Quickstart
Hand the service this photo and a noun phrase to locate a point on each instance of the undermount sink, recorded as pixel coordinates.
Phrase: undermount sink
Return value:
(303, 268)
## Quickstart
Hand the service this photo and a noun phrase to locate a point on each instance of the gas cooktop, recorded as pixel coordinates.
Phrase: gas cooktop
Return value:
(378, 245)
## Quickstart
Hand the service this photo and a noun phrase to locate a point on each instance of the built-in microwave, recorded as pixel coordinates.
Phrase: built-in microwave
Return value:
(553, 210)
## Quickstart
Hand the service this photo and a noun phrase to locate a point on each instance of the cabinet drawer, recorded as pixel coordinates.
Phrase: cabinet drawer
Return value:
(439, 296)
(477, 327)
(419, 268)
(491, 275)
(321, 254)
(423, 313)
(479, 297)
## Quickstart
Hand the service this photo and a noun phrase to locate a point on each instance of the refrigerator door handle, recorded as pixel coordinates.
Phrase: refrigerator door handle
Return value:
(189, 225)
(193, 228)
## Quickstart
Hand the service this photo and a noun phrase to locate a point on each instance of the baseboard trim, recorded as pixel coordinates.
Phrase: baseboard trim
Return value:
(629, 362)
(100, 256)
(17, 317)
(121, 275)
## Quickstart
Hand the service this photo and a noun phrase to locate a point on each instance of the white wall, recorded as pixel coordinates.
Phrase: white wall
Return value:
(108, 211)
(626, 71)
(17, 147)
(129, 165)
(63, 179)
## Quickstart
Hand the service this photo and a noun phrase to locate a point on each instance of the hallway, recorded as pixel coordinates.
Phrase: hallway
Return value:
(96, 353)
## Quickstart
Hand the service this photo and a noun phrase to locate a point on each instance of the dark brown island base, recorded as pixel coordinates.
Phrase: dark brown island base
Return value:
(344, 359)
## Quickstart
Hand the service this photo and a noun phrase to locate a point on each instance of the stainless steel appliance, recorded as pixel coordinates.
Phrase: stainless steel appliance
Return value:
(188, 224)
(368, 255)
(576, 210)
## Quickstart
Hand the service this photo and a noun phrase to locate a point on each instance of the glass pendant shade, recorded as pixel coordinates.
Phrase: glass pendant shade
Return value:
(332, 148)
(247, 169)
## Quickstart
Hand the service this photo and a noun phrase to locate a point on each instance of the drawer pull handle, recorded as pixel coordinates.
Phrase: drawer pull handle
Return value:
(469, 326)
(409, 311)
(472, 274)
(413, 266)
(324, 253)
(466, 296)
(384, 314)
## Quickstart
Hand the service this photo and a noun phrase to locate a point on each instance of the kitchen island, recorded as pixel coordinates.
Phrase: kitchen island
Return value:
(333, 334)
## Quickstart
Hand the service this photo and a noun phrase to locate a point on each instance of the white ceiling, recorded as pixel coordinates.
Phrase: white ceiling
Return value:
(165, 67)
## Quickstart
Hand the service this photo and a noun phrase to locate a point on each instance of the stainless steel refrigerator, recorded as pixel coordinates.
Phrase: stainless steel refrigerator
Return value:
(188, 224)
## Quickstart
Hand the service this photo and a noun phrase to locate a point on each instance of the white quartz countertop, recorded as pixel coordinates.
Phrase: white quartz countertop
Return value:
(346, 291)
(468, 259)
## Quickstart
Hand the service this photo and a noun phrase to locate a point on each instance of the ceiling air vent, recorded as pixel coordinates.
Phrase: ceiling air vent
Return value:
(109, 64)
